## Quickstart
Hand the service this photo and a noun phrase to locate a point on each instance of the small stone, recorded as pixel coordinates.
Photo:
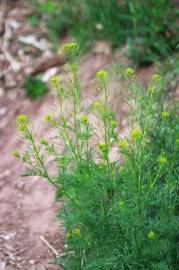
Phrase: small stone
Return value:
(32, 262)
(2, 265)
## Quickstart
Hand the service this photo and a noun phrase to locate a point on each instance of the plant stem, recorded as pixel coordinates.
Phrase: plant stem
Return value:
(46, 175)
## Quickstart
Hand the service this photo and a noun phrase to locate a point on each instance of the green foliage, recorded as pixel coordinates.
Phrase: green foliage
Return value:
(34, 20)
(119, 214)
(149, 28)
(34, 87)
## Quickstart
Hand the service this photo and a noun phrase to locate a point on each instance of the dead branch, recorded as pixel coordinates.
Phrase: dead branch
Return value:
(48, 62)
(48, 245)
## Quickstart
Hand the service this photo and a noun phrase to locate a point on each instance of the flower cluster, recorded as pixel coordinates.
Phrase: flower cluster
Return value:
(165, 114)
(162, 160)
(22, 122)
(101, 74)
(70, 46)
(102, 147)
(97, 105)
(151, 234)
(122, 144)
(47, 118)
(156, 78)
(21, 119)
(75, 233)
(16, 153)
(129, 72)
(84, 119)
(54, 80)
(136, 133)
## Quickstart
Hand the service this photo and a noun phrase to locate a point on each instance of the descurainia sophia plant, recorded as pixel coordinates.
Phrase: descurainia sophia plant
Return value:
(117, 215)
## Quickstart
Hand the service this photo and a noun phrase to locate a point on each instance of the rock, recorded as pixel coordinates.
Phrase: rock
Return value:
(2, 265)
(10, 80)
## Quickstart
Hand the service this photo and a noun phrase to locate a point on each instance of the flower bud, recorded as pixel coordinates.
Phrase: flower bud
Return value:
(84, 119)
(122, 144)
(136, 133)
(162, 160)
(21, 119)
(16, 153)
(47, 117)
(54, 80)
(76, 232)
(151, 234)
(129, 73)
(156, 78)
(165, 114)
(101, 74)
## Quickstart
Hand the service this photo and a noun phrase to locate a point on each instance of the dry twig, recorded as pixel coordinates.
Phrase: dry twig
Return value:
(50, 246)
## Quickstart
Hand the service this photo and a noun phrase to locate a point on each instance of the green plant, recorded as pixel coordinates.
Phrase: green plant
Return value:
(149, 28)
(119, 214)
(34, 20)
(170, 70)
(34, 87)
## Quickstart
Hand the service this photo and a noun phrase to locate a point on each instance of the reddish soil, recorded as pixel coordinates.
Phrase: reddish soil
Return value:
(27, 208)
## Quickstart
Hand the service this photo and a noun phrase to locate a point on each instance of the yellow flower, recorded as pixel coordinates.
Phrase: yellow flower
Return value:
(84, 119)
(21, 119)
(54, 80)
(156, 78)
(101, 74)
(47, 117)
(97, 105)
(21, 127)
(102, 146)
(70, 46)
(16, 153)
(165, 114)
(76, 232)
(122, 144)
(162, 160)
(129, 72)
(136, 133)
(151, 234)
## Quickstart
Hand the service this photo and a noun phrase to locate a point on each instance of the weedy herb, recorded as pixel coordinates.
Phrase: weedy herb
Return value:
(34, 20)
(34, 87)
(117, 215)
(149, 28)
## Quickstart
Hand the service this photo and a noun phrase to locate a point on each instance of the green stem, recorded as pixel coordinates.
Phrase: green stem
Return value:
(76, 105)
(66, 138)
(106, 123)
(46, 175)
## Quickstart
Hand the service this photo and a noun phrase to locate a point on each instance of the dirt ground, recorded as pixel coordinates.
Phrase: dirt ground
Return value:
(27, 209)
